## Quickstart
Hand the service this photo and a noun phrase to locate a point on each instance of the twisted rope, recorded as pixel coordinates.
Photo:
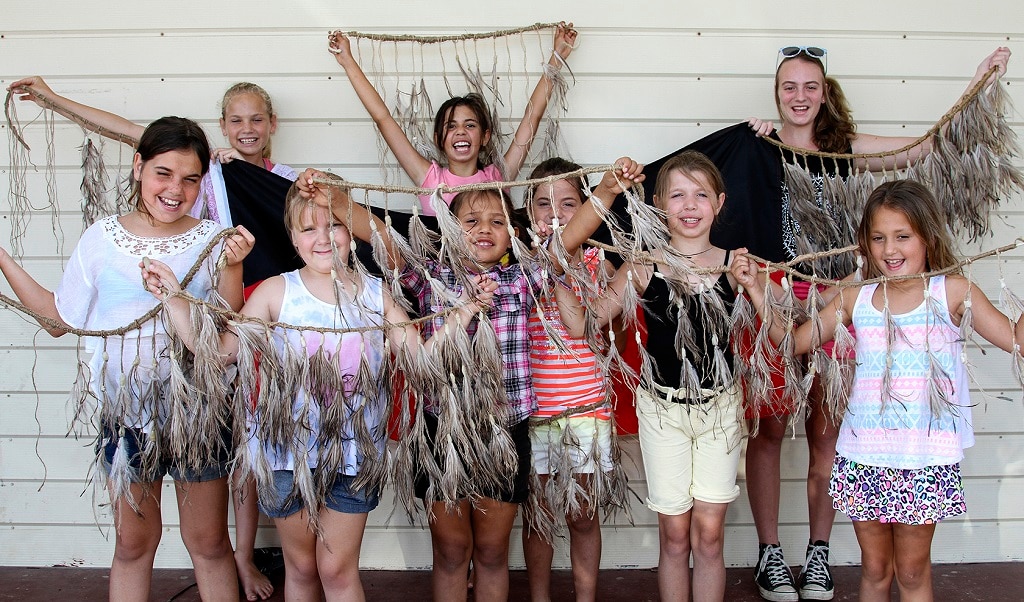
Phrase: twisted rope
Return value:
(228, 314)
(445, 38)
(134, 324)
(444, 188)
(52, 106)
(241, 318)
(787, 267)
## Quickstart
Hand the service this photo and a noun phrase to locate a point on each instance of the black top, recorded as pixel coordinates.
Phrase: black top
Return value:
(662, 314)
(256, 198)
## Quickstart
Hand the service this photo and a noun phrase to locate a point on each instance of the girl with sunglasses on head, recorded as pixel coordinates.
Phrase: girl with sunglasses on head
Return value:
(816, 117)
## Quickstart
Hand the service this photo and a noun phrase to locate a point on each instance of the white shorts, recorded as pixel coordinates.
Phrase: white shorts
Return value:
(690, 451)
(572, 443)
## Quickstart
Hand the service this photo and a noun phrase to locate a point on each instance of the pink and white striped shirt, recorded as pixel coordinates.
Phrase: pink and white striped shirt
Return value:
(565, 380)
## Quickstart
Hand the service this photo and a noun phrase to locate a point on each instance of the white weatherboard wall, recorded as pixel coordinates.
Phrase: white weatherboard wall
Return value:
(649, 77)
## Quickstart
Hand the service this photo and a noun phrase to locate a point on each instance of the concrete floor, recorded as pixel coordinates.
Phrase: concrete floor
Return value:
(953, 583)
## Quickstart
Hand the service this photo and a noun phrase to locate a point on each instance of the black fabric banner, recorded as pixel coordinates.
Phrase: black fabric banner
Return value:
(256, 198)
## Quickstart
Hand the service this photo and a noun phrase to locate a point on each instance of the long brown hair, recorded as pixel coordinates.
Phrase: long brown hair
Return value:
(833, 126)
(915, 201)
(476, 103)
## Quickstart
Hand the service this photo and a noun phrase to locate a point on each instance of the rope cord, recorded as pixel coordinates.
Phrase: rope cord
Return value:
(134, 324)
(445, 189)
(445, 38)
(53, 106)
(787, 266)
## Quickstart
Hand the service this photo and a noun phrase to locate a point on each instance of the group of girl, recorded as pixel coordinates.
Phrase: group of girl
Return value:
(689, 406)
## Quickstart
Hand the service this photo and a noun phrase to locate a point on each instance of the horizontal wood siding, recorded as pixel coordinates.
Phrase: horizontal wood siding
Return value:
(646, 81)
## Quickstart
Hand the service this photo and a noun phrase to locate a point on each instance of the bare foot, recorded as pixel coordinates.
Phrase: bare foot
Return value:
(255, 584)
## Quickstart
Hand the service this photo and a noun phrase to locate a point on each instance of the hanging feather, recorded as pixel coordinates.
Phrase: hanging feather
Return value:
(424, 242)
(94, 184)
(630, 297)
(119, 479)
(537, 516)
(84, 403)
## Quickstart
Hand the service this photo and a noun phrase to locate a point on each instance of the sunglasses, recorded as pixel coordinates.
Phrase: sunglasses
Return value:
(814, 52)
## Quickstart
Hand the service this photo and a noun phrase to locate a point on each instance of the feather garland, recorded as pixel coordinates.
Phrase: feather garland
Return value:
(94, 184)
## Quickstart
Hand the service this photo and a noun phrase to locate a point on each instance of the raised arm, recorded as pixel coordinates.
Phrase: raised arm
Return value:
(414, 164)
(586, 221)
(870, 143)
(107, 124)
(35, 297)
(515, 156)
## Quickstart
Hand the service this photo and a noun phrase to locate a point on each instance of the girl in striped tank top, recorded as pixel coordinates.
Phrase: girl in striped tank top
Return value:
(575, 460)
(897, 466)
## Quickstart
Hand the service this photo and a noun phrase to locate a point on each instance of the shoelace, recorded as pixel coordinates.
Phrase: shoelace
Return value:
(815, 570)
(774, 565)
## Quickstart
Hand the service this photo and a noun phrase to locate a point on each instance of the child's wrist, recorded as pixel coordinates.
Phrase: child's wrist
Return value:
(561, 278)
(557, 61)
(469, 309)
(597, 196)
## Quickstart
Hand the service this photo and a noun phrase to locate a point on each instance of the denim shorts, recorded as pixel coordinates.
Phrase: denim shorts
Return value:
(133, 440)
(340, 499)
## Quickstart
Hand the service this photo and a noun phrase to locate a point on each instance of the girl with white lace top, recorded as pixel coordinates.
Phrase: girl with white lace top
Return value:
(101, 290)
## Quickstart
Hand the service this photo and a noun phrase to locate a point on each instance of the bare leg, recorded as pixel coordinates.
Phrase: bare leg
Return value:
(876, 559)
(763, 476)
(299, 546)
(585, 551)
(913, 561)
(203, 511)
(492, 526)
(137, 535)
(822, 433)
(674, 556)
(451, 536)
(337, 555)
(539, 555)
(255, 584)
(707, 537)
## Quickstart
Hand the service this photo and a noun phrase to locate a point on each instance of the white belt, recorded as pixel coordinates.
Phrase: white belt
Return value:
(682, 395)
